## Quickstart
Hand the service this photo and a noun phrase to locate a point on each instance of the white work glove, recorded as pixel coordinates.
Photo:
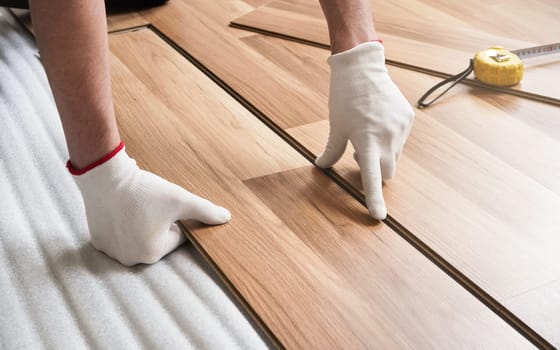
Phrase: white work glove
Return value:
(131, 213)
(367, 108)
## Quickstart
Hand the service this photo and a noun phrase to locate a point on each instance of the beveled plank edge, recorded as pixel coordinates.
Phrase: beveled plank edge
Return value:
(469, 285)
(468, 81)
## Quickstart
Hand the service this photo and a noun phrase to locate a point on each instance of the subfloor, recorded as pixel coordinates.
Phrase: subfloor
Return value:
(468, 255)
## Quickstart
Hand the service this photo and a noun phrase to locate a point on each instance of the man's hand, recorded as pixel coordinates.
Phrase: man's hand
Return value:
(367, 108)
(131, 212)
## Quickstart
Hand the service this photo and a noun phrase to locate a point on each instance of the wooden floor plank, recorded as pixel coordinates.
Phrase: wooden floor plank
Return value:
(479, 178)
(185, 22)
(297, 244)
(540, 305)
(342, 238)
(435, 35)
(247, 149)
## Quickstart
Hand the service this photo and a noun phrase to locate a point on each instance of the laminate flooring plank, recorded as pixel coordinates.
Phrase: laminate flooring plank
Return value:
(245, 147)
(435, 35)
(272, 251)
(547, 299)
(365, 256)
(198, 27)
(299, 60)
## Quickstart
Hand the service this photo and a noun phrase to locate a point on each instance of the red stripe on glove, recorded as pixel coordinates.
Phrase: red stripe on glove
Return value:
(97, 163)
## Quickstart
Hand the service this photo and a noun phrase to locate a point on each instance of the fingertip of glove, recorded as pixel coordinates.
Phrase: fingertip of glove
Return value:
(226, 215)
(322, 162)
(377, 211)
(221, 216)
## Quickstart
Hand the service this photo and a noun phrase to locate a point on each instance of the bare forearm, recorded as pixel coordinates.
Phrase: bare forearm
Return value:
(72, 39)
(350, 23)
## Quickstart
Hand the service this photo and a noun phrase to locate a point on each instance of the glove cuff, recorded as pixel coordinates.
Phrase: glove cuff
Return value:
(357, 72)
(105, 158)
(363, 54)
(109, 172)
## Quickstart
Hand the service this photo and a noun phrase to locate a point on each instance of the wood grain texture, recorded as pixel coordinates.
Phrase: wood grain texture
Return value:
(462, 195)
(198, 26)
(436, 35)
(243, 145)
(370, 263)
(306, 289)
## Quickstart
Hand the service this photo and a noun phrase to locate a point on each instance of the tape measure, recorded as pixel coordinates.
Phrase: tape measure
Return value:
(495, 66)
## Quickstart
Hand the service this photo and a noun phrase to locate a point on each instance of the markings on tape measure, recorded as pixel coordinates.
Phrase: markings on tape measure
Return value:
(537, 51)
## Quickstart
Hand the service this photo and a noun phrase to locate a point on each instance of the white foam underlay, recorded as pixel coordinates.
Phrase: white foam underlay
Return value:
(56, 290)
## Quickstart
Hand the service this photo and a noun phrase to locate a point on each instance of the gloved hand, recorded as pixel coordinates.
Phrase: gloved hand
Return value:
(367, 108)
(131, 212)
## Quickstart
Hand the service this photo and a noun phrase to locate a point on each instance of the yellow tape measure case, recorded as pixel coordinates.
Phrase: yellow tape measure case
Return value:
(497, 66)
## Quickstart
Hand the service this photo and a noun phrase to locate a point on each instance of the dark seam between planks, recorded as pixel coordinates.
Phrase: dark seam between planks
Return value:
(469, 285)
(469, 81)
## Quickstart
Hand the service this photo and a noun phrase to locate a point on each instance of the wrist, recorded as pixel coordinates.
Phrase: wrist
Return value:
(96, 137)
(345, 41)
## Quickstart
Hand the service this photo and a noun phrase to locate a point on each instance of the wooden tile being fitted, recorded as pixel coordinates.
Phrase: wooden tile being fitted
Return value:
(478, 181)
(436, 35)
(300, 252)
